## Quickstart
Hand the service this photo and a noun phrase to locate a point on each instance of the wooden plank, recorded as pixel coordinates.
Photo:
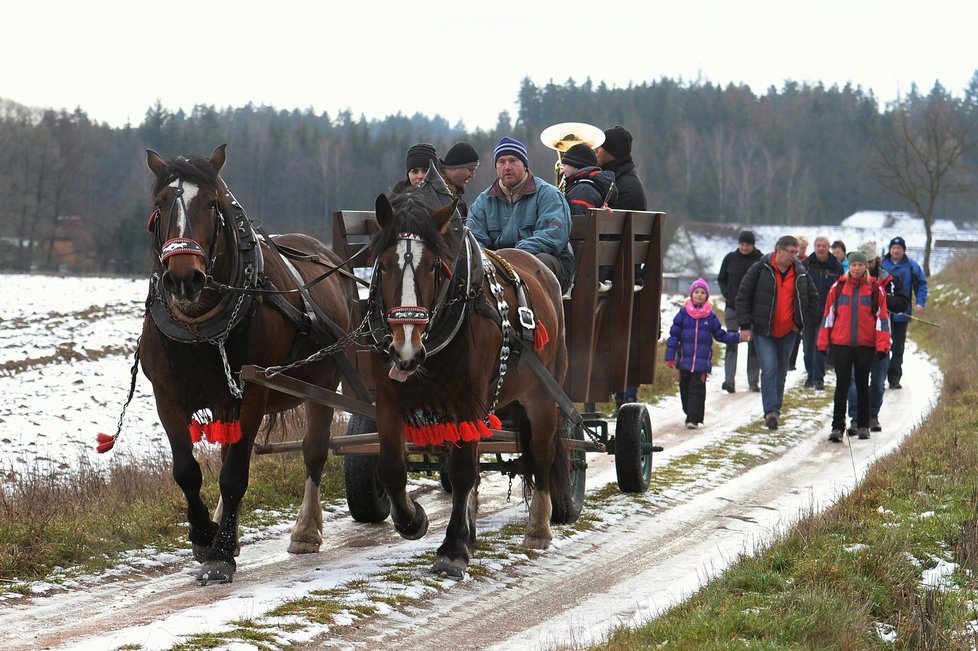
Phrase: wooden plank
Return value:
(293, 387)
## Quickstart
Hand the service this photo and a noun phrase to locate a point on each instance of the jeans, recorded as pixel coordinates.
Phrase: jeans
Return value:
(852, 366)
(877, 384)
(692, 393)
(774, 354)
(898, 330)
(814, 362)
(730, 358)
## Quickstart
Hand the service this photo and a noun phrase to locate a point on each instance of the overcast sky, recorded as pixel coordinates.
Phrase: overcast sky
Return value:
(461, 60)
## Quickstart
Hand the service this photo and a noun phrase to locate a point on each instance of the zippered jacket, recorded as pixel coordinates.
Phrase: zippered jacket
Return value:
(758, 292)
(691, 337)
(913, 280)
(855, 315)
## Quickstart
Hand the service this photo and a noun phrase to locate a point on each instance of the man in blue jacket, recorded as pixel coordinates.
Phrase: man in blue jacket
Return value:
(522, 211)
(914, 283)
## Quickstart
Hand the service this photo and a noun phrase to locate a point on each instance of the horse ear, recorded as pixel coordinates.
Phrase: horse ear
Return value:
(156, 164)
(443, 216)
(218, 157)
(383, 210)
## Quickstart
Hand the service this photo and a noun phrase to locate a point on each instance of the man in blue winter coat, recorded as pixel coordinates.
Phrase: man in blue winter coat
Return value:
(522, 211)
(914, 283)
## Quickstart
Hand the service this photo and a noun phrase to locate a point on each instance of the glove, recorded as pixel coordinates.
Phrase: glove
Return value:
(671, 363)
(823, 353)
(882, 354)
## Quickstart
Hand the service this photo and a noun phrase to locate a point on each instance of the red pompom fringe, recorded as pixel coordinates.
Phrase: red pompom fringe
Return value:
(215, 431)
(105, 442)
(494, 422)
(540, 337)
(439, 433)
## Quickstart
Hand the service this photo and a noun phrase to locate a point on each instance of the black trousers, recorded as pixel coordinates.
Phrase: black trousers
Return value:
(851, 361)
(898, 331)
(692, 393)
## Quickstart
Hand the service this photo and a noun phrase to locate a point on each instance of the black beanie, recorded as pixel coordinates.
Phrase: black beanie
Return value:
(580, 156)
(746, 237)
(462, 154)
(420, 155)
(617, 141)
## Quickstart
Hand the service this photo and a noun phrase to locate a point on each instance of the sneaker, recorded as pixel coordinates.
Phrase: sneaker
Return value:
(819, 386)
(874, 425)
(771, 420)
(863, 432)
(604, 287)
(729, 388)
(836, 436)
(755, 388)
(690, 425)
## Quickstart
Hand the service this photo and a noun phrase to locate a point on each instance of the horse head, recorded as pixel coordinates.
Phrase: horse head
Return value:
(190, 204)
(412, 260)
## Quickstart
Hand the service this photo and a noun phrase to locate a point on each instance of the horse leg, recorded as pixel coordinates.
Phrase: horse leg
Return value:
(307, 534)
(410, 519)
(218, 564)
(463, 470)
(541, 410)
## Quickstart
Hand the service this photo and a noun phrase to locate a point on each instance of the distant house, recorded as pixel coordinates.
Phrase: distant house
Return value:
(71, 249)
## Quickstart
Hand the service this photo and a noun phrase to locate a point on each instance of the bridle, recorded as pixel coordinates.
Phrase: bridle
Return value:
(183, 243)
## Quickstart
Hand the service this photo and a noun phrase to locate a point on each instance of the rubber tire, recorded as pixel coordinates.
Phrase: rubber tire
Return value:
(569, 513)
(365, 496)
(633, 432)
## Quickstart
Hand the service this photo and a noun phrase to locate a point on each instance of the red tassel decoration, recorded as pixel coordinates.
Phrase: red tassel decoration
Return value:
(440, 433)
(215, 431)
(540, 337)
(105, 442)
(196, 431)
(494, 422)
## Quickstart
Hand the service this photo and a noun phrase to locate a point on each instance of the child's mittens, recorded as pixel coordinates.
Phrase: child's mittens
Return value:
(671, 363)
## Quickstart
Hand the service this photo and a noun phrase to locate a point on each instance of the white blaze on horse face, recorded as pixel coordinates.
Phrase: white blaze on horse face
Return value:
(409, 295)
(189, 192)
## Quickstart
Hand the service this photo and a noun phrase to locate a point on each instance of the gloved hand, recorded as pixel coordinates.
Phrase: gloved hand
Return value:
(671, 363)
(882, 354)
(823, 353)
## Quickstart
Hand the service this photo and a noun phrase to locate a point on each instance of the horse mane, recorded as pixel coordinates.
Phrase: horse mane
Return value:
(412, 214)
(195, 169)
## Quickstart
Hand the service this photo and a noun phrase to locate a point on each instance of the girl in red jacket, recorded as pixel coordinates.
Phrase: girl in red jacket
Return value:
(855, 327)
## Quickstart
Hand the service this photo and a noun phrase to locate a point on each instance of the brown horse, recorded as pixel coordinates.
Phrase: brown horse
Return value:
(221, 297)
(444, 367)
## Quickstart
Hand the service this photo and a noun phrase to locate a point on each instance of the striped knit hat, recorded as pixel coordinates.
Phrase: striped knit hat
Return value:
(511, 147)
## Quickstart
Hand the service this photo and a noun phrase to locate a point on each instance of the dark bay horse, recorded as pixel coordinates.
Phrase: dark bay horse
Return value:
(447, 363)
(223, 296)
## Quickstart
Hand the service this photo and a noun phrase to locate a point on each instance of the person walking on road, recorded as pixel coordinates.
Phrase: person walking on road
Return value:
(824, 270)
(732, 270)
(915, 284)
(775, 301)
(855, 328)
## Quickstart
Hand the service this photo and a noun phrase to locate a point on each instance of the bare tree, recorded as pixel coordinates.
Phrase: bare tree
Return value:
(920, 155)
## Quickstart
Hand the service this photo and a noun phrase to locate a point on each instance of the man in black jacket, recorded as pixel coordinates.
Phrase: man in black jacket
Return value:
(775, 301)
(615, 155)
(735, 264)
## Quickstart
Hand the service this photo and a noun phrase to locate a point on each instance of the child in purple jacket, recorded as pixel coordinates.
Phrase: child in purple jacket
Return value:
(690, 349)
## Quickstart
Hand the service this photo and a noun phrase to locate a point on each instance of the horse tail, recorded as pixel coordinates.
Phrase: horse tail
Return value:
(560, 471)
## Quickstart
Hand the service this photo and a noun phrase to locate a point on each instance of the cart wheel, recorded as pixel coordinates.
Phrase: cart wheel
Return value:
(633, 448)
(365, 495)
(567, 511)
(446, 481)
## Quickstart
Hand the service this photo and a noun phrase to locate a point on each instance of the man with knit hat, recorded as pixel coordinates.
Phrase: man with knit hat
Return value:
(897, 301)
(915, 284)
(457, 168)
(732, 270)
(523, 211)
(615, 155)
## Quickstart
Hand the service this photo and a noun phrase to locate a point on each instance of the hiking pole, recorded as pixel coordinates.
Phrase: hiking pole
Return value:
(917, 318)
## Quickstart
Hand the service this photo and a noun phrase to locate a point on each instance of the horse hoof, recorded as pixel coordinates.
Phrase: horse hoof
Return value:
(216, 572)
(536, 542)
(418, 527)
(454, 568)
(200, 552)
(297, 546)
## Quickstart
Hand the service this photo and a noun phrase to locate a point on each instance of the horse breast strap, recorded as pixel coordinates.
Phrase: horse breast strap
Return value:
(526, 317)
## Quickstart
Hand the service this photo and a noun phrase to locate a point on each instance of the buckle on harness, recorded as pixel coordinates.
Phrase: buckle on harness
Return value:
(526, 318)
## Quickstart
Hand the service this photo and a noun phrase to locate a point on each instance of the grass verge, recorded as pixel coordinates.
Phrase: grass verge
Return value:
(892, 565)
